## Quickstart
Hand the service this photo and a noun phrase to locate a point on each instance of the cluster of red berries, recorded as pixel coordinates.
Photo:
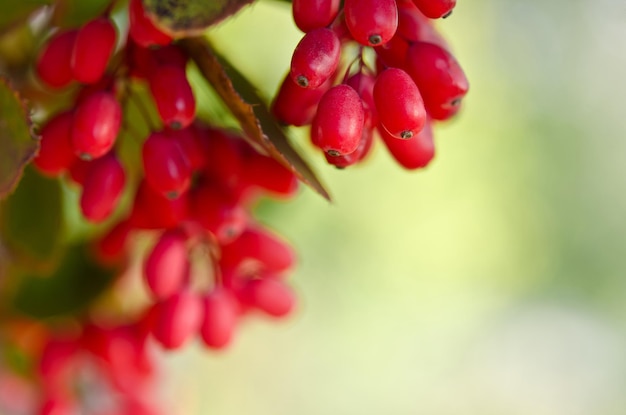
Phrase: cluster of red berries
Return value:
(212, 263)
(362, 65)
(412, 80)
(100, 371)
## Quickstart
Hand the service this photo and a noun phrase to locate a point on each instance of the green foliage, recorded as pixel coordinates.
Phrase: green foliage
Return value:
(31, 224)
(17, 142)
(17, 11)
(73, 13)
(71, 288)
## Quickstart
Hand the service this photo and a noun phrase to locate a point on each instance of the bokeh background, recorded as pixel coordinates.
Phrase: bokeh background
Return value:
(491, 283)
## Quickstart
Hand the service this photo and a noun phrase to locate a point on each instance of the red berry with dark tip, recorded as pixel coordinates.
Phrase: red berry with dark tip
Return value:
(315, 58)
(416, 152)
(371, 22)
(295, 105)
(435, 8)
(152, 210)
(97, 122)
(173, 96)
(313, 14)
(338, 123)
(167, 169)
(399, 103)
(438, 76)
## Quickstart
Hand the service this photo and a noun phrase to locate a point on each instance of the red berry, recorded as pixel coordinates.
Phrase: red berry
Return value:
(371, 22)
(269, 295)
(393, 53)
(141, 28)
(223, 158)
(111, 247)
(167, 169)
(313, 14)
(190, 142)
(294, 105)
(338, 124)
(53, 62)
(167, 265)
(399, 103)
(102, 188)
(269, 175)
(97, 122)
(78, 171)
(315, 58)
(415, 27)
(439, 78)
(173, 96)
(170, 55)
(218, 212)
(260, 245)
(363, 84)
(221, 313)
(414, 153)
(93, 48)
(341, 162)
(56, 153)
(177, 319)
(435, 8)
(152, 210)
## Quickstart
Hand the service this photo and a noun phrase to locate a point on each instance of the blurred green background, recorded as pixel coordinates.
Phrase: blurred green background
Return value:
(491, 283)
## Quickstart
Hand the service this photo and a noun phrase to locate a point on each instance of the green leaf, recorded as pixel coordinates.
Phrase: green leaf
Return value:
(77, 282)
(31, 224)
(75, 13)
(15, 12)
(190, 17)
(17, 142)
(241, 97)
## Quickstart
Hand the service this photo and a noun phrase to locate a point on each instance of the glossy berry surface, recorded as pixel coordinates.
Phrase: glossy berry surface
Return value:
(399, 103)
(315, 58)
(166, 167)
(173, 96)
(97, 122)
(371, 22)
(102, 188)
(435, 9)
(338, 124)
(93, 47)
(438, 76)
(167, 265)
(416, 152)
(295, 105)
(53, 63)
(314, 14)
(56, 153)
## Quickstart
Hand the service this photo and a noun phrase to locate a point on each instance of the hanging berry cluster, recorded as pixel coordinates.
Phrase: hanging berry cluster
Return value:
(362, 66)
(412, 81)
